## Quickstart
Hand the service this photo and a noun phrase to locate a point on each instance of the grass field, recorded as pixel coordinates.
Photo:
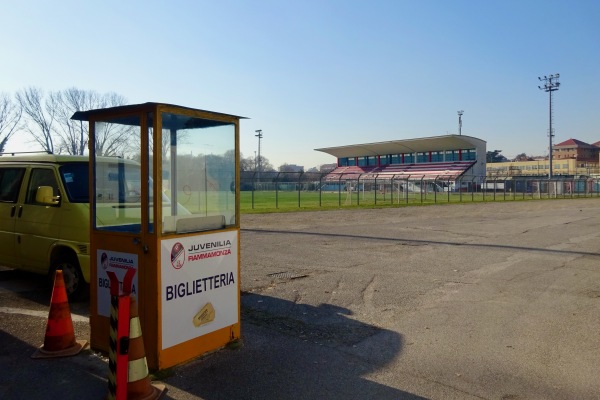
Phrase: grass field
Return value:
(265, 201)
(286, 201)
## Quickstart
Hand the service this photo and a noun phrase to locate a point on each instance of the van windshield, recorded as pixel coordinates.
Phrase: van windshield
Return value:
(76, 180)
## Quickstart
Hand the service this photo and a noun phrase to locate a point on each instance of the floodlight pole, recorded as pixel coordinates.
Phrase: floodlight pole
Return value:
(551, 84)
(460, 114)
(259, 136)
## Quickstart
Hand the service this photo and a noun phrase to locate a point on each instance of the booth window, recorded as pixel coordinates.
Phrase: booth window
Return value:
(198, 174)
(117, 189)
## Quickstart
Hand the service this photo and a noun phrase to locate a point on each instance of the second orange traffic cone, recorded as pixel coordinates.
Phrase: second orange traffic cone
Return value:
(138, 379)
(59, 340)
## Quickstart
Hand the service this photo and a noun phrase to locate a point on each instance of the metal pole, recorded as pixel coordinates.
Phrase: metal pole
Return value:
(259, 136)
(551, 84)
(550, 133)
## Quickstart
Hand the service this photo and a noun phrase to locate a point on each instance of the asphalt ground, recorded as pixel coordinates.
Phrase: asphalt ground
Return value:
(463, 301)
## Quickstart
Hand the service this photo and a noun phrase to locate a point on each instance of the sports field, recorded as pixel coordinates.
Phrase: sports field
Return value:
(284, 201)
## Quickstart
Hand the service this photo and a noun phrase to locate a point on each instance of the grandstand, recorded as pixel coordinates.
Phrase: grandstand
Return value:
(447, 157)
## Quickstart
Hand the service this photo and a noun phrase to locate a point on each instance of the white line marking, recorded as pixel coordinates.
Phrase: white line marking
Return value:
(44, 314)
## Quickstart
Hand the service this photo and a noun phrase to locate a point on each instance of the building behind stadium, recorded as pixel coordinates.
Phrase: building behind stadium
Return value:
(571, 158)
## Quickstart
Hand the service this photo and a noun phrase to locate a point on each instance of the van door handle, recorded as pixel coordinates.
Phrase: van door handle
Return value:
(20, 211)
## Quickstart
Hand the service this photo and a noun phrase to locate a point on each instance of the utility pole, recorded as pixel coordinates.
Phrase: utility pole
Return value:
(460, 114)
(259, 136)
(551, 84)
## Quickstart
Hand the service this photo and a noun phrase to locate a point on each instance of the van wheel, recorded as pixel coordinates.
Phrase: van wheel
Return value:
(74, 282)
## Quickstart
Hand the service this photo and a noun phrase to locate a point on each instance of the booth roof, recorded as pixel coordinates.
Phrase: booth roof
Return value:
(146, 107)
(447, 142)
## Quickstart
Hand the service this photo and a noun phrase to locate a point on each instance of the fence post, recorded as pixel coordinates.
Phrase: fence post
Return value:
(299, 187)
(484, 188)
(320, 190)
(253, 188)
(277, 190)
(357, 190)
(340, 191)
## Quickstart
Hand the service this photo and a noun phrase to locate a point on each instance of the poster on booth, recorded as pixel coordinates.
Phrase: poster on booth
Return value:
(199, 286)
(119, 263)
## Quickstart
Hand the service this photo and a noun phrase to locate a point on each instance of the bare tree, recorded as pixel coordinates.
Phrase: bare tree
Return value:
(246, 164)
(73, 135)
(113, 139)
(265, 165)
(522, 157)
(40, 115)
(10, 115)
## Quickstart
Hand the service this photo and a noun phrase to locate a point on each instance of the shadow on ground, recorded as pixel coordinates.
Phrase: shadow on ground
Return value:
(78, 377)
(294, 351)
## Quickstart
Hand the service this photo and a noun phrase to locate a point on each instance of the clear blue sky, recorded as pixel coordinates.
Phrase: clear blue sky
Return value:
(315, 74)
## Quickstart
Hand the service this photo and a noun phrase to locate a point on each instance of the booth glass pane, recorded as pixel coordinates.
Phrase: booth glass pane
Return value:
(150, 134)
(198, 174)
(117, 196)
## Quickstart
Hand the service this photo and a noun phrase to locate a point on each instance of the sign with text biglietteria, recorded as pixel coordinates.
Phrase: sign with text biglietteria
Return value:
(118, 263)
(199, 286)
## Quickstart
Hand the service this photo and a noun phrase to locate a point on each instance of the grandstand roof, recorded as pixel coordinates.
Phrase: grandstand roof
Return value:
(447, 142)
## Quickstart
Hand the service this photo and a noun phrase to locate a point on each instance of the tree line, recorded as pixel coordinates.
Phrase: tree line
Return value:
(45, 119)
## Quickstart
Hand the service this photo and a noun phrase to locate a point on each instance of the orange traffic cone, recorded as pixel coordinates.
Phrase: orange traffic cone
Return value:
(138, 380)
(59, 340)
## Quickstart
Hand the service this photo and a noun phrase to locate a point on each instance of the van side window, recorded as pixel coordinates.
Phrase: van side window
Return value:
(41, 177)
(10, 183)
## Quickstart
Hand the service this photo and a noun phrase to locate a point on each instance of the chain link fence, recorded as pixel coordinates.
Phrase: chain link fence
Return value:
(314, 190)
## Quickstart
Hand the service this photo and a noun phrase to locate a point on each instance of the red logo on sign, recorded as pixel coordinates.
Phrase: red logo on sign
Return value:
(104, 261)
(177, 255)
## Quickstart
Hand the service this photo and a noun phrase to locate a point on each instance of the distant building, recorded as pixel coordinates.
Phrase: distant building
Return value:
(571, 157)
(325, 168)
(577, 150)
(291, 168)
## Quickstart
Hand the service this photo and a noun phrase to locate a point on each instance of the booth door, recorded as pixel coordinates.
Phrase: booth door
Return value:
(123, 231)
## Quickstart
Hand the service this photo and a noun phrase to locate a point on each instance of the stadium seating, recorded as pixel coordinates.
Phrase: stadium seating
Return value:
(441, 170)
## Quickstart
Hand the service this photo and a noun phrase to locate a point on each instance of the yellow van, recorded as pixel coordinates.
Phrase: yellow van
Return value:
(45, 213)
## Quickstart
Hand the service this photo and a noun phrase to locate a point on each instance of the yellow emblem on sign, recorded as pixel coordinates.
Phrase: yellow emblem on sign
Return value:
(205, 315)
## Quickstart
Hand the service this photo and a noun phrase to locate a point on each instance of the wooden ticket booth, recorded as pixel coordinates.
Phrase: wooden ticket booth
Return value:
(165, 203)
